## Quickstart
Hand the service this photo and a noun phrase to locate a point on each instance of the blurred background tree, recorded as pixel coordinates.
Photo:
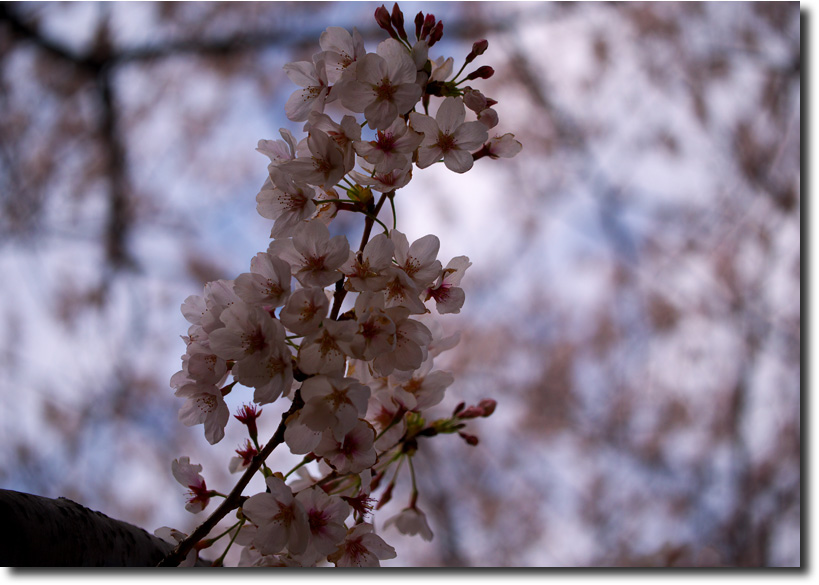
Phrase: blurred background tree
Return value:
(633, 304)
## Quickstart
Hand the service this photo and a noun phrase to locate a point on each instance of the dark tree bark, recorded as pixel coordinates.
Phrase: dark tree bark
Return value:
(41, 532)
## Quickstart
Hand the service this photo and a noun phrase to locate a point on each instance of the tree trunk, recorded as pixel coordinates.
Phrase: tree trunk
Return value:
(41, 532)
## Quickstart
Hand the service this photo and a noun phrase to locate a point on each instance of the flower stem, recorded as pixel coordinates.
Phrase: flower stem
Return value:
(234, 498)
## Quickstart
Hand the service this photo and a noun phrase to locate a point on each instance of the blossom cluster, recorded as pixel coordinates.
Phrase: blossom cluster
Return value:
(359, 376)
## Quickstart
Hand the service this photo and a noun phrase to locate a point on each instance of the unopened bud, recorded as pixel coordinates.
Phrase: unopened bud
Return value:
(459, 408)
(436, 33)
(488, 405)
(419, 22)
(429, 22)
(398, 21)
(475, 100)
(470, 439)
(478, 48)
(484, 72)
(382, 17)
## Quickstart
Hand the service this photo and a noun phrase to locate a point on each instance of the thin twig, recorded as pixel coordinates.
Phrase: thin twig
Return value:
(234, 498)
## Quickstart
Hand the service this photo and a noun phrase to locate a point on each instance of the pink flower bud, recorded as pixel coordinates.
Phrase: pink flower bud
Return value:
(470, 439)
(382, 17)
(429, 22)
(419, 22)
(484, 72)
(488, 405)
(398, 21)
(436, 33)
(478, 48)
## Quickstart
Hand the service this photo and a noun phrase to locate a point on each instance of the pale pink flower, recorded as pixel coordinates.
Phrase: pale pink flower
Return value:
(362, 548)
(280, 518)
(447, 136)
(353, 453)
(449, 297)
(305, 310)
(384, 86)
(325, 516)
(279, 151)
(345, 133)
(285, 201)
(248, 333)
(315, 258)
(411, 341)
(312, 77)
(324, 352)
(488, 118)
(419, 260)
(341, 51)
(219, 295)
(189, 476)
(368, 272)
(392, 148)
(421, 388)
(205, 405)
(411, 521)
(271, 372)
(333, 403)
(299, 437)
(383, 182)
(376, 331)
(382, 411)
(441, 69)
(267, 284)
(503, 146)
(194, 309)
(401, 291)
(203, 366)
(324, 164)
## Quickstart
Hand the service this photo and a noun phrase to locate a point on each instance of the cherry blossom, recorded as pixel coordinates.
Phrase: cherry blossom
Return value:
(392, 148)
(267, 283)
(448, 136)
(360, 374)
(323, 165)
(285, 201)
(325, 518)
(418, 260)
(503, 146)
(421, 388)
(248, 334)
(280, 518)
(384, 86)
(312, 77)
(324, 352)
(449, 297)
(189, 476)
(279, 151)
(362, 548)
(271, 372)
(351, 454)
(204, 405)
(305, 310)
(334, 404)
(411, 521)
(367, 271)
(314, 257)
(342, 50)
